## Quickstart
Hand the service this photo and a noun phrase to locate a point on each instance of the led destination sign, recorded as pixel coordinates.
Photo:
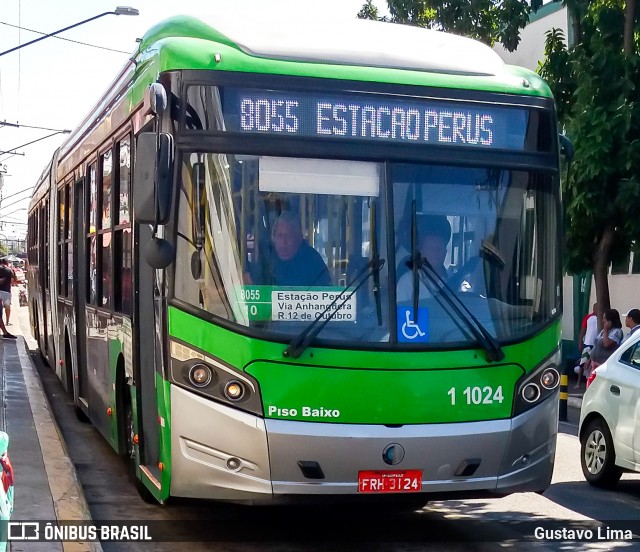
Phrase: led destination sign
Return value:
(379, 119)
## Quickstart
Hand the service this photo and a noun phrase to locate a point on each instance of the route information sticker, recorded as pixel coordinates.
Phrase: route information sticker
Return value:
(297, 304)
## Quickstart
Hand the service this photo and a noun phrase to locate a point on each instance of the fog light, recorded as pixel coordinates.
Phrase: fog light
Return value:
(234, 390)
(200, 375)
(531, 392)
(550, 378)
(234, 464)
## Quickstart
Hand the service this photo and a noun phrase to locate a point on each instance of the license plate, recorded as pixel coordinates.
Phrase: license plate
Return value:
(389, 481)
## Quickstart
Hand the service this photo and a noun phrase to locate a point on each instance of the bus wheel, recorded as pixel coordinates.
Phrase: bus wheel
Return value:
(35, 331)
(130, 452)
(39, 341)
(80, 414)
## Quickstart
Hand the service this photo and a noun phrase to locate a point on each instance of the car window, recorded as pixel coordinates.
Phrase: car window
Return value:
(632, 356)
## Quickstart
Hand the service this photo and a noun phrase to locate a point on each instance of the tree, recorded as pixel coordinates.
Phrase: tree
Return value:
(594, 82)
(489, 21)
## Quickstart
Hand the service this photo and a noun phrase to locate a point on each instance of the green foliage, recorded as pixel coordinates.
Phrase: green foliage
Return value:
(490, 21)
(369, 11)
(556, 71)
(594, 83)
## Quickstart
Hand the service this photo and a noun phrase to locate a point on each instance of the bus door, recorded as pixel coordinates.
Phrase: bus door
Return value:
(80, 295)
(43, 275)
(147, 330)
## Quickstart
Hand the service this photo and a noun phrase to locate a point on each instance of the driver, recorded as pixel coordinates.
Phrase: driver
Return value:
(434, 234)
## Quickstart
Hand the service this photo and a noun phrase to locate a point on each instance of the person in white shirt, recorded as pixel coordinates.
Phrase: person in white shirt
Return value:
(591, 332)
(586, 341)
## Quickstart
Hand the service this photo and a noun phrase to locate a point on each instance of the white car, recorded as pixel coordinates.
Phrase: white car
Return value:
(609, 428)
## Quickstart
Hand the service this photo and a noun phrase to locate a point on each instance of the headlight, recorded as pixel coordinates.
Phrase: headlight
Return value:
(234, 390)
(535, 387)
(200, 375)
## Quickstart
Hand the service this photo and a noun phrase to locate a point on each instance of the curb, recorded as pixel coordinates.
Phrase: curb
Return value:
(68, 497)
(575, 402)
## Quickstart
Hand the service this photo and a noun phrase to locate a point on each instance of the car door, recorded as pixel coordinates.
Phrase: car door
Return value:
(624, 389)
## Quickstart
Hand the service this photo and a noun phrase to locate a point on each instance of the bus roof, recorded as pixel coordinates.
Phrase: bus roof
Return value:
(349, 49)
(352, 42)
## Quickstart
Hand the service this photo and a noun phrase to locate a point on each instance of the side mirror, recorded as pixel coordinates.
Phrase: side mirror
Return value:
(151, 187)
(566, 147)
(155, 99)
(159, 253)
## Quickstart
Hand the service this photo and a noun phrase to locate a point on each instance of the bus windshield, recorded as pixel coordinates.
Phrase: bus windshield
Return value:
(274, 243)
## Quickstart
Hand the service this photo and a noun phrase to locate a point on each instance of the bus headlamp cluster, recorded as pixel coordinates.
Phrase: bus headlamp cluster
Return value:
(537, 386)
(216, 380)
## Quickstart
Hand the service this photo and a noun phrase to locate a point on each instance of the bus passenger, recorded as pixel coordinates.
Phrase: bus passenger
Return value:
(290, 261)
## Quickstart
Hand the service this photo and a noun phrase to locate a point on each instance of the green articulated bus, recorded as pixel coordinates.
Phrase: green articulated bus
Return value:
(272, 266)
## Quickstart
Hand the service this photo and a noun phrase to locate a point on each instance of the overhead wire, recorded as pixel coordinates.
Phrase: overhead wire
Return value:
(67, 39)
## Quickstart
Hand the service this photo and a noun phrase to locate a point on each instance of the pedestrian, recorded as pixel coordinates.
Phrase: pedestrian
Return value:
(6, 279)
(608, 339)
(586, 341)
(3, 328)
(632, 321)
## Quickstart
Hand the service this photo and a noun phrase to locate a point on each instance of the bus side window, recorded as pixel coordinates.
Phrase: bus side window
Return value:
(122, 228)
(92, 209)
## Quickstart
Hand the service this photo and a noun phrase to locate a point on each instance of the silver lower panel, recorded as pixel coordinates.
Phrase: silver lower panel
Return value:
(221, 453)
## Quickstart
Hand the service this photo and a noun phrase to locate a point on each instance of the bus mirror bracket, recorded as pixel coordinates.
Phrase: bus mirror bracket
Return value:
(198, 217)
(198, 178)
(164, 177)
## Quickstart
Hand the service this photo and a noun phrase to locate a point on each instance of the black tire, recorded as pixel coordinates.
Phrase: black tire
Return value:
(597, 455)
(80, 414)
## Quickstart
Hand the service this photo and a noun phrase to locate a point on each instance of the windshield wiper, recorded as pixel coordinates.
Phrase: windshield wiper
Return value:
(416, 260)
(488, 342)
(420, 263)
(304, 338)
(375, 258)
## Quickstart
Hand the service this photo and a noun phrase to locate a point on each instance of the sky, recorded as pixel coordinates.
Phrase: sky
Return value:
(54, 83)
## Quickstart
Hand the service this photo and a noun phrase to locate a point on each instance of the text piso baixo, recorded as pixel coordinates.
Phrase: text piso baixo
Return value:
(305, 412)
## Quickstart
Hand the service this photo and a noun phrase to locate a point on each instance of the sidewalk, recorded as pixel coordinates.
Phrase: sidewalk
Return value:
(46, 484)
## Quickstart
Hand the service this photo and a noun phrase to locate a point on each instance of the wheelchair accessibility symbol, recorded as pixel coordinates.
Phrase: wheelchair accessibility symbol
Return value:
(410, 331)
